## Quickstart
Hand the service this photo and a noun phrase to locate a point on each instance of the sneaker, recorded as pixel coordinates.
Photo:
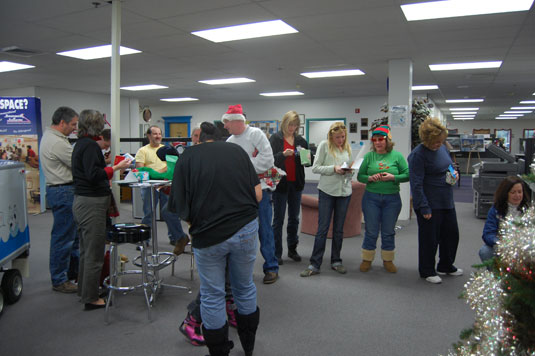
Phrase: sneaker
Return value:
(66, 287)
(434, 279)
(280, 261)
(292, 253)
(309, 272)
(457, 272)
(181, 245)
(191, 329)
(231, 315)
(339, 268)
(270, 277)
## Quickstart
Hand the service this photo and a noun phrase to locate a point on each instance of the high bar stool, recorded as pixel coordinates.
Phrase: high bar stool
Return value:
(138, 234)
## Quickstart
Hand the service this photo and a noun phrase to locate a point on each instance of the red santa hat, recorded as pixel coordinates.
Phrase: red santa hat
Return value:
(234, 112)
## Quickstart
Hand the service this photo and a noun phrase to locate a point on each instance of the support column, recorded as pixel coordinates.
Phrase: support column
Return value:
(115, 99)
(399, 117)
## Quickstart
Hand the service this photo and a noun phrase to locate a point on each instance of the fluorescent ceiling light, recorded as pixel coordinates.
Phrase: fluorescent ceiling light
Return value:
(517, 112)
(242, 32)
(144, 87)
(458, 66)
(510, 115)
(6, 66)
(226, 81)
(523, 108)
(283, 93)
(333, 73)
(457, 8)
(172, 100)
(506, 118)
(465, 101)
(96, 52)
(464, 113)
(463, 109)
(527, 102)
(463, 118)
(424, 87)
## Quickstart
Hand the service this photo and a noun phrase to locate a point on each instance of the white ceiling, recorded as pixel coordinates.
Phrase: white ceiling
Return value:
(333, 34)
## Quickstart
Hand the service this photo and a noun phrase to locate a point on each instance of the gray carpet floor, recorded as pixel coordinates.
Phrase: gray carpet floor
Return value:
(372, 313)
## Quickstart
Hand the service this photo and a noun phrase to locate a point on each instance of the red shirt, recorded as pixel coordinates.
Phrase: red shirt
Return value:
(289, 163)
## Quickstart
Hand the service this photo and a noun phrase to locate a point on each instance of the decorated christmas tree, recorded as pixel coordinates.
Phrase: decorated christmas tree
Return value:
(503, 295)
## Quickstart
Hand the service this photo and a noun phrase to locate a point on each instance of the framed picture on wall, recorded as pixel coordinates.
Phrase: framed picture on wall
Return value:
(364, 122)
(481, 131)
(302, 130)
(529, 133)
(353, 127)
(363, 135)
(302, 119)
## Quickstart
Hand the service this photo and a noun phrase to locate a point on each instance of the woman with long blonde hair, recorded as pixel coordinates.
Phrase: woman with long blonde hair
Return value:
(334, 194)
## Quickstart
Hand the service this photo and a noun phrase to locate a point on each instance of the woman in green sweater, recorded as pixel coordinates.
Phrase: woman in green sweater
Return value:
(382, 170)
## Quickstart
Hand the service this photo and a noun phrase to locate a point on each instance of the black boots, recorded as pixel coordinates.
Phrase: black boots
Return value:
(217, 341)
(247, 325)
(292, 253)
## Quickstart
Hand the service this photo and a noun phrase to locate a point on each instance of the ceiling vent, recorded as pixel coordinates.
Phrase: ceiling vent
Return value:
(20, 52)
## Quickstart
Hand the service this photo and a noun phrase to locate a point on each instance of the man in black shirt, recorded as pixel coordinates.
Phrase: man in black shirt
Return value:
(216, 190)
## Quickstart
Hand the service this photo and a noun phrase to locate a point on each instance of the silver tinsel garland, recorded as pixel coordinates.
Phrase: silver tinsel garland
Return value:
(484, 292)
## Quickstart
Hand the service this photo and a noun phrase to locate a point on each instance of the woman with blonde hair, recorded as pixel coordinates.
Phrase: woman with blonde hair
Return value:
(432, 177)
(334, 194)
(286, 145)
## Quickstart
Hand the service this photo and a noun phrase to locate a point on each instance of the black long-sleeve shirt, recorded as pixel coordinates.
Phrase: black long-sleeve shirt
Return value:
(214, 190)
(88, 173)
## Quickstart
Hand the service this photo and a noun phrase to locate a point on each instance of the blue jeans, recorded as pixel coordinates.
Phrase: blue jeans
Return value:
(265, 233)
(486, 253)
(64, 240)
(239, 252)
(328, 206)
(174, 227)
(291, 197)
(381, 212)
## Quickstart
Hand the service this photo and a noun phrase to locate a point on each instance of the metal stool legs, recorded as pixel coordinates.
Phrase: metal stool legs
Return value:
(112, 281)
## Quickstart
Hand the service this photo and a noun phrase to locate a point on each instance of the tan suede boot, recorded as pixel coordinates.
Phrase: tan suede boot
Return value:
(367, 258)
(388, 257)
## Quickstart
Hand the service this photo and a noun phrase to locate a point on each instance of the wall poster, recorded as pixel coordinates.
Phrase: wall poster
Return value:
(20, 132)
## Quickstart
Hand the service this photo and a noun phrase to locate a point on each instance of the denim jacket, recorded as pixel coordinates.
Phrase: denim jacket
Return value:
(490, 230)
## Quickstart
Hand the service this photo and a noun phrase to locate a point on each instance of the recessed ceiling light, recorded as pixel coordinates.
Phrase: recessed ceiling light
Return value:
(172, 100)
(518, 112)
(510, 115)
(226, 81)
(145, 87)
(463, 118)
(527, 102)
(333, 73)
(506, 118)
(424, 87)
(464, 113)
(96, 52)
(459, 66)
(463, 109)
(457, 8)
(6, 66)
(522, 107)
(251, 30)
(283, 93)
(465, 101)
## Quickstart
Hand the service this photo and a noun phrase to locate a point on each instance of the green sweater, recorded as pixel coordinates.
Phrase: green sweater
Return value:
(392, 162)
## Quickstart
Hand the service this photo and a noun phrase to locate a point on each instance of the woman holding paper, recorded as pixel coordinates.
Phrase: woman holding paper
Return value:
(287, 146)
(432, 177)
(381, 170)
(334, 194)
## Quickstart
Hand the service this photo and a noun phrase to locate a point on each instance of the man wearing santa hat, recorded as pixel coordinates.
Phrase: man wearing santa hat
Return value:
(257, 146)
